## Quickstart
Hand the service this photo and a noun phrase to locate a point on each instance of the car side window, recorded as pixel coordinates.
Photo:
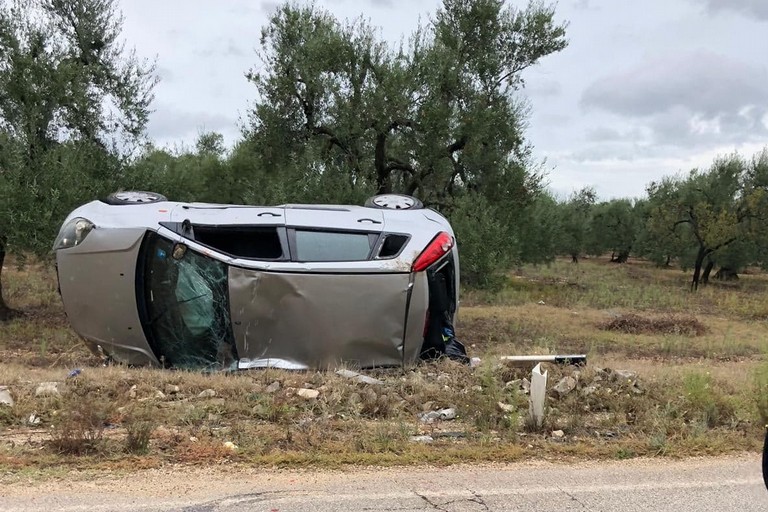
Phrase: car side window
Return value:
(332, 246)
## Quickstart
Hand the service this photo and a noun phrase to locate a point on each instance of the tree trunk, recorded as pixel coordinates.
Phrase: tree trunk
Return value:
(6, 313)
(697, 268)
(707, 271)
(574, 258)
(622, 257)
(668, 262)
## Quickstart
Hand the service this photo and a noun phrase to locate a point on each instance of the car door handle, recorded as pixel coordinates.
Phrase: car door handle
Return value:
(269, 213)
(370, 221)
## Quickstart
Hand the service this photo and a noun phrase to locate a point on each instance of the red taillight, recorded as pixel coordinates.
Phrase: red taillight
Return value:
(436, 249)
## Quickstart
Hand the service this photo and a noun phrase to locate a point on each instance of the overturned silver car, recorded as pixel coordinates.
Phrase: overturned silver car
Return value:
(207, 286)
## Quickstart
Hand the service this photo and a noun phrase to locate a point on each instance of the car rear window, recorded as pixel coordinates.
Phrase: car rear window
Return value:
(332, 246)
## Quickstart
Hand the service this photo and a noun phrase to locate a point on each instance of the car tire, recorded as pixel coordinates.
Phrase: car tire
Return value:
(134, 197)
(394, 202)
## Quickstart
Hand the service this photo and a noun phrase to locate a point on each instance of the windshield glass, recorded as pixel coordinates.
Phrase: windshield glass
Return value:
(186, 307)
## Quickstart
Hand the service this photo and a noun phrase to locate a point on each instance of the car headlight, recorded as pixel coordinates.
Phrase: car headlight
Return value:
(73, 233)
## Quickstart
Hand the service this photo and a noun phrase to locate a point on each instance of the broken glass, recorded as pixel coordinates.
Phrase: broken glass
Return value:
(187, 307)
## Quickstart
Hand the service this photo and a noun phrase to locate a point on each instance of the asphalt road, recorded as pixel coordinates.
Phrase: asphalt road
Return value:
(713, 484)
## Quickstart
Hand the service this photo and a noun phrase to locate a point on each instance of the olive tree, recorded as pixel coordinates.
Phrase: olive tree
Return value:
(73, 103)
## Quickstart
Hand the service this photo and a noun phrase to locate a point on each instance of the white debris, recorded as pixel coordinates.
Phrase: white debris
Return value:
(229, 445)
(48, 389)
(442, 414)
(132, 391)
(159, 395)
(309, 394)
(558, 434)
(207, 393)
(5, 396)
(475, 362)
(506, 407)
(421, 439)
(33, 419)
(357, 377)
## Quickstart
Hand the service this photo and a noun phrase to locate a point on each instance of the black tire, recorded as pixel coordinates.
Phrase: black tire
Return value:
(394, 202)
(134, 197)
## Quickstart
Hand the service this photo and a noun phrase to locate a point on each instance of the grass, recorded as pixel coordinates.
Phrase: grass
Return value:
(701, 384)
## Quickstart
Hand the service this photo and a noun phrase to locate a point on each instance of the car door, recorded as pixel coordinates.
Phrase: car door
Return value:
(333, 303)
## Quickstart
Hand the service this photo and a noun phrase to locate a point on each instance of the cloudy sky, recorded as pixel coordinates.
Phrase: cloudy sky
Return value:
(645, 88)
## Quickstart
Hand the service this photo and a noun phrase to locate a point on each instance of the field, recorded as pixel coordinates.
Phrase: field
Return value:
(670, 373)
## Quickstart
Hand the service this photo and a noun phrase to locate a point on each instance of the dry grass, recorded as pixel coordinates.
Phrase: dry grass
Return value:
(702, 380)
(665, 325)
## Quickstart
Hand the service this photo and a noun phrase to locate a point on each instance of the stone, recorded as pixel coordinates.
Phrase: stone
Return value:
(207, 393)
(309, 394)
(565, 386)
(558, 434)
(447, 414)
(525, 385)
(172, 389)
(229, 445)
(132, 391)
(159, 395)
(443, 414)
(48, 389)
(357, 377)
(589, 390)
(624, 376)
(273, 387)
(5, 396)
(421, 439)
(33, 419)
(506, 407)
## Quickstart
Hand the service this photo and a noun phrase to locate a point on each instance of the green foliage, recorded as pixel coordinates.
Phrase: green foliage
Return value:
(613, 227)
(72, 104)
(710, 213)
(342, 115)
(575, 215)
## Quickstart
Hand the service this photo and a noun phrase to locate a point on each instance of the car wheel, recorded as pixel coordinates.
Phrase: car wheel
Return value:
(394, 202)
(134, 197)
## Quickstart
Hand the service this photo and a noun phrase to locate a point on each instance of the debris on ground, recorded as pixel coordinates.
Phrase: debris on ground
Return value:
(272, 388)
(564, 386)
(357, 377)
(309, 394)
(207, 393)
(74, 373)
(443, 414)
(172, 389)
(421, 439)
(47, 389)
(5, 396)
(558, 434)
(229, 445)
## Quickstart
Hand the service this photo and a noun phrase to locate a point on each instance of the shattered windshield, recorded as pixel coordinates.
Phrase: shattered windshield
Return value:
(186, 306)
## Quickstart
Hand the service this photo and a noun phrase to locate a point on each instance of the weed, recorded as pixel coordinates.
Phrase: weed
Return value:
(667, 324)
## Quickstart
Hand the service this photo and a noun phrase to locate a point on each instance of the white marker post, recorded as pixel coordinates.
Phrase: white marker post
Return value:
(538, 395)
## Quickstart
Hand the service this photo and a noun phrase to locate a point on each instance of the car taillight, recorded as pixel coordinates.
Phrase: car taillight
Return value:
(437, 248)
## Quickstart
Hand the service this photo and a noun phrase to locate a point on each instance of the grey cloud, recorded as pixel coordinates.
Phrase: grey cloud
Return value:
(220, 46)
(269, 7)
(756, 8)
(165, 74)
(171, 123)
(604, 133)
(543, 88)
(703, 82)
